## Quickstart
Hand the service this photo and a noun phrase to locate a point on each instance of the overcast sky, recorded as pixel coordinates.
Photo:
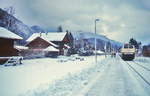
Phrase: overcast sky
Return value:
(119, 19)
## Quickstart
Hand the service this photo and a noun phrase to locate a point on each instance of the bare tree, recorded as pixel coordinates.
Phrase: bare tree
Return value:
(60, 29)
(10, 10)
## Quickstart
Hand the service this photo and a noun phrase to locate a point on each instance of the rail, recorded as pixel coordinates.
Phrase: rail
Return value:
(142, 77)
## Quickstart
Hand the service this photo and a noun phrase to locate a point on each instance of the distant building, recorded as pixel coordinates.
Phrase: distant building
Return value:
(7, 40)
(146, 50)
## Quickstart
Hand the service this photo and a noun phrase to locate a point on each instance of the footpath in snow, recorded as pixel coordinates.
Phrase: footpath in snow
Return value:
(118, 79)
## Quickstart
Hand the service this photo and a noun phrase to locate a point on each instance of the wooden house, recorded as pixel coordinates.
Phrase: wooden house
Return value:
(37, 46)
(60, 39)
(7, 40)
(39, 43)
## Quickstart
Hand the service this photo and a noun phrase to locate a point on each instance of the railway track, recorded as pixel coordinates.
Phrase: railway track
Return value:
(137, 72)
(141, 66)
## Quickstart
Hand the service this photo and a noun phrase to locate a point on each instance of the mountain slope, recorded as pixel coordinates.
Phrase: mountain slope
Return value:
(90, 38)
(13, 24)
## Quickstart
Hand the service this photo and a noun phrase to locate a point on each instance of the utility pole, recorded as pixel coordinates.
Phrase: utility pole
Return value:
(95, 42)
(105, 48)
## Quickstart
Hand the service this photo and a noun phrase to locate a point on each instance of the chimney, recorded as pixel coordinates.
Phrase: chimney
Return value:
(46, 32)
(40, 34)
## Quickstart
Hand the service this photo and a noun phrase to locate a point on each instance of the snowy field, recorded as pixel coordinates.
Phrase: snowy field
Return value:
(40, 73)
(75, 76)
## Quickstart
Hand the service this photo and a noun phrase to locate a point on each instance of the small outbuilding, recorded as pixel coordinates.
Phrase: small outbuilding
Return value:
(7, 40)
(51, 52)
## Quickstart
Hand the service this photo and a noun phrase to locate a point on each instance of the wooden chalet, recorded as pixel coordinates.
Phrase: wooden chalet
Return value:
(60, 39)
(7, 40)
(37, 46)
(39, 43)
(63, 39)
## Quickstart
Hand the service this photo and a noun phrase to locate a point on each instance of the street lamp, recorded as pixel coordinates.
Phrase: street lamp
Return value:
(95, 42)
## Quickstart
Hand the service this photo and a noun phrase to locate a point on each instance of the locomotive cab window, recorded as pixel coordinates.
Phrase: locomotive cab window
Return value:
(126, 46)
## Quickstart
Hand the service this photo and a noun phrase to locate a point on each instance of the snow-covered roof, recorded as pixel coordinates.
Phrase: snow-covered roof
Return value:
(51, 48)
(43, 39)
(55, 36)
(4, 33)
(50, 36)
(67, 46)
(52, 44)
(21, 47)
(33, 36)
(100, 52)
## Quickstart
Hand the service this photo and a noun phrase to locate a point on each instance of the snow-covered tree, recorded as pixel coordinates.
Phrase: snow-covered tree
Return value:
(135, 43)
(10, 10)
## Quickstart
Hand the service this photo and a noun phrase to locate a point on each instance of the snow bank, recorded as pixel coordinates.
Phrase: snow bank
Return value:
(41, 73)
(68, 84)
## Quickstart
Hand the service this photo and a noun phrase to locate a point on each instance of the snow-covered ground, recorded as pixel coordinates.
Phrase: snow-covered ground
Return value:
(75, 76)
(40, 73)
